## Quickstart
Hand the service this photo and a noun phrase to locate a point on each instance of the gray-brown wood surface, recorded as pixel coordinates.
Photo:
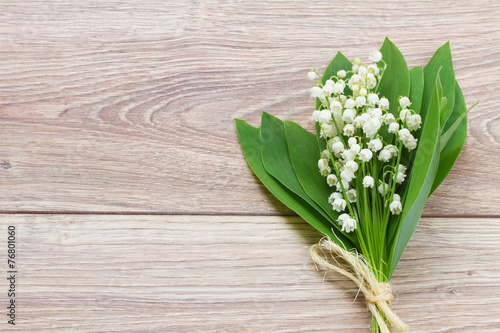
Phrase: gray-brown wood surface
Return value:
(135, 209)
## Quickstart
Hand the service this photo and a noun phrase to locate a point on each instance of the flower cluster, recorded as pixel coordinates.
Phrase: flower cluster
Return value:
(364, 138)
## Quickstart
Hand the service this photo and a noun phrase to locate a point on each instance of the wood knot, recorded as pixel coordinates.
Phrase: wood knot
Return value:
(5, 164)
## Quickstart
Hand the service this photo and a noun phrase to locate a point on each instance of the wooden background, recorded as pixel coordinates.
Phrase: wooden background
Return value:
(135, 210)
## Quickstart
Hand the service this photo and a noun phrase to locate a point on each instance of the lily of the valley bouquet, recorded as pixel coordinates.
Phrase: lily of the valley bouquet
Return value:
(386, 137)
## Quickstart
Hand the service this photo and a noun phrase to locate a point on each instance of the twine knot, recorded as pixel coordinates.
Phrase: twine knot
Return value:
(378, 295)
(383, 295)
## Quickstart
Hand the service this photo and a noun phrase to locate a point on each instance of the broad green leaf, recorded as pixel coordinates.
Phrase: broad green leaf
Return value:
(459, 113)
(452, 143)
(250, 144)
(421, 178)
(338, 63)
(440, 62)
(304, 155)
(395, 81)
(276, 160)
(445, 137)
(416, 88)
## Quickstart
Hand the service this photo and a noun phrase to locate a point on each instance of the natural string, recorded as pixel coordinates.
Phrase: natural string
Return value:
(377, 294)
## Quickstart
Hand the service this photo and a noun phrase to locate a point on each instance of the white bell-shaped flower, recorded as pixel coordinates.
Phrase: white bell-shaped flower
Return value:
(349, 225)
(349, 103)
(349, 130)
(351, 166)
(375, 56)
(373, 69)
(335, 195)
(347, 175)
(383, 188)
(355, 148)
(349, 115)
(370, 128)
(368, 181)
(396, 207)
(375, 144)
(400, 178)
(315, 92)
(360, 101)
(325, 116)
(351, 195)
(331, 180)
(315, 115)
(384, 155)
(338, 88)
(372, 99)
(414, 122)
(365, 155)
(337, 147)
(404, 102)
(404, 114)
(393, 128)
(342, 218)
(389, 118)
(339, 205)
(383, 103)
(348, 155)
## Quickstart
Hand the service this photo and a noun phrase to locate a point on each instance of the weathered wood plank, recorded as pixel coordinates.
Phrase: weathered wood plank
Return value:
(128, 106)
(98, 273)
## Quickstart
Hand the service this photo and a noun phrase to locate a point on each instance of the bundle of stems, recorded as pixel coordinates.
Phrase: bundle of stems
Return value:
(386, 137)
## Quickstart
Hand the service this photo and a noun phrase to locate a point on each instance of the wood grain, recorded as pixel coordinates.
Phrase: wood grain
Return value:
(127, 106)
(96, 273)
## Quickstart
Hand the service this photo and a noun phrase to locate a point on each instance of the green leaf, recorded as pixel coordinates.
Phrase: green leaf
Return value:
(453, 139)
(338, 63)
(459, 113)
(421, 178)
(416, 88)
(276, 160)
(304, 155)
(449, 133)
(396, 79)
(250, 144)
(440, 63)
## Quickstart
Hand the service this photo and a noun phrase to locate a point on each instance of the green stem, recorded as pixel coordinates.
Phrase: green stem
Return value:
(391, 197)
(374, 324)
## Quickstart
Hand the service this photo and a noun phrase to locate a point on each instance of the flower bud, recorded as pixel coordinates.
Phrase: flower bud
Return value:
(312, 75)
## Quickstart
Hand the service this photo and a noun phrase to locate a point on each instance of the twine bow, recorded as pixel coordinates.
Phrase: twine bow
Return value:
(378, 295)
